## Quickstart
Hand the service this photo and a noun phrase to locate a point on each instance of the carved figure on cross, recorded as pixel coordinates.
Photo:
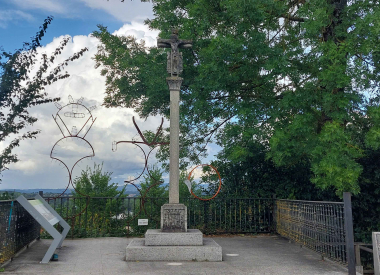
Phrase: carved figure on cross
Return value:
(175, 64)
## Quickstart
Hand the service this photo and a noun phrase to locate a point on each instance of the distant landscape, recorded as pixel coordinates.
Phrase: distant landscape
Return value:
(51, 192)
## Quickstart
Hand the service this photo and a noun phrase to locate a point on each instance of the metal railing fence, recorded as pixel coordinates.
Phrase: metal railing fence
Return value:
(104, 216)
(231, 215)
(319, 226)
(316, 225)
(17, 229)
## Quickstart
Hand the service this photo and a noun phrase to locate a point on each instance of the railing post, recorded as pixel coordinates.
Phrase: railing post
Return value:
(358, 262)
(375, 246)
(349, 228)
(205, 215)
(274, 213)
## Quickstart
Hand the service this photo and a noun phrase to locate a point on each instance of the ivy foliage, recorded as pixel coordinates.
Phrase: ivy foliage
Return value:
(298, 77)
(23, 78)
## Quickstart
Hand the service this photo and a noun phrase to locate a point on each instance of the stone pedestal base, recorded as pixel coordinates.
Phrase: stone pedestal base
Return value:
(173, 242)
(210, 251)
(174, 217)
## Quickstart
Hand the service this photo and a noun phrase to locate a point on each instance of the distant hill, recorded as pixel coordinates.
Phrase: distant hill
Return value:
(129, 190)
(28, 191)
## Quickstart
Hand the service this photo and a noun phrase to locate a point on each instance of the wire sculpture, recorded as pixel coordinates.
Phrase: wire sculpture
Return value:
(152, 145)
(73, 110)
(76, 110)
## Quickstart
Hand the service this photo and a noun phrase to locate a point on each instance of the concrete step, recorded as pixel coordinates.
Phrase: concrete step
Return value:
(210, 251)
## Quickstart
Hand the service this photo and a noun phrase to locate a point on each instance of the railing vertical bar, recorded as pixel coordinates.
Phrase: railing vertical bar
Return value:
(240, 213)
(61, 212)
(86, 216)
(220, 214)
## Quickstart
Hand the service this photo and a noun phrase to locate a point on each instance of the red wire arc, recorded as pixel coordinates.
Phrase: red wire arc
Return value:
(220, 182)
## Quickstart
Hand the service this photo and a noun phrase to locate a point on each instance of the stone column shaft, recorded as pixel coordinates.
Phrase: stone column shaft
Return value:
(174, 84)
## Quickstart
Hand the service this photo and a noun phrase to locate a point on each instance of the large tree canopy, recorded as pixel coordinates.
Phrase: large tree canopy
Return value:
(301, 78)
(20, 89)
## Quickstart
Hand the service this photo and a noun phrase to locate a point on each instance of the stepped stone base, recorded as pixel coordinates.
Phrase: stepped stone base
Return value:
(155, 237)
(209, 251)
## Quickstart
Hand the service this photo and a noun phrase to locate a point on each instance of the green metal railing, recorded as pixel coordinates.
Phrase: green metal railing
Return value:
(103, 216)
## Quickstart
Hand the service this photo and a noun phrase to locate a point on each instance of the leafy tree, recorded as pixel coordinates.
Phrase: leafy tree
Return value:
(299, 77)
(153, 184)
(96, 183)
(258, 177)
(155, 194)
(101, 201)
(21, 89)
(8, 195)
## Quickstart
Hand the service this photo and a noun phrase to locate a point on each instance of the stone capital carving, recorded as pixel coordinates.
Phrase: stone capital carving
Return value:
(174, 83)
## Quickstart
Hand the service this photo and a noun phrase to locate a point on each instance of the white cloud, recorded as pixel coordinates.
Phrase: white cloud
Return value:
(47, 5)
(27, 166)
(139, 31)
(7, 16)
(37, 170)
(124, 11)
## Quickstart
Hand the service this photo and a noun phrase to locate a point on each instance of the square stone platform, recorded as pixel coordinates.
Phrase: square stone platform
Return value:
(210, 251)
(155, 237)
(174, 246)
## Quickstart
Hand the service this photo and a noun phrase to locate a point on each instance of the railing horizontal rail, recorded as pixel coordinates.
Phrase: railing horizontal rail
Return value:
(327, 202)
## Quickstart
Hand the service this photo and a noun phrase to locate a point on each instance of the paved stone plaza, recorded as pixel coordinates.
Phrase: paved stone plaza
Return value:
(258, 255)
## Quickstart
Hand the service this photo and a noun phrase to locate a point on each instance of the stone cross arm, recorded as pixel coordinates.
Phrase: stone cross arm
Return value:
(168, 43)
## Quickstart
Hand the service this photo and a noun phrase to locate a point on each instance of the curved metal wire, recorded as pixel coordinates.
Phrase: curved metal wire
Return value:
(220, 182)
(153, 145)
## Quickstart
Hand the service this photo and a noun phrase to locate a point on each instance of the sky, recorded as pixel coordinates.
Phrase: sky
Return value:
(20, 20)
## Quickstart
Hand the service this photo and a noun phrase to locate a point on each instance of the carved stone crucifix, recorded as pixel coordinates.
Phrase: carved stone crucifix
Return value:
(175, 64)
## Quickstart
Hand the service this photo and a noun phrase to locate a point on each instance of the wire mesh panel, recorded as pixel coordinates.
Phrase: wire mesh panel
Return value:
(17, 229)
(316, 225)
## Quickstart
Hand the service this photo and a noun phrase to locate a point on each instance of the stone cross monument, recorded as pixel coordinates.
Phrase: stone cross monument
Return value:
(185, 244)
(174, 214)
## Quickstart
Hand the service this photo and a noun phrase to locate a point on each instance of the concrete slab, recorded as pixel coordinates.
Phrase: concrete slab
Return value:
(155, 237)
(210, 251)
(257, 255)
